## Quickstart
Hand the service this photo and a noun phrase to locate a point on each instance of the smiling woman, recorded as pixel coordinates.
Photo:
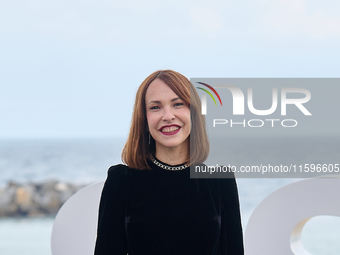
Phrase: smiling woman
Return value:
(151, 205)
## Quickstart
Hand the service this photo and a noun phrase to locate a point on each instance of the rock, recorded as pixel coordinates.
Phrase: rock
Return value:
(35, 198)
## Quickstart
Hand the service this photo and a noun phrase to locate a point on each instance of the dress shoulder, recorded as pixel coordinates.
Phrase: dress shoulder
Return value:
(118, 170)
(118, 179)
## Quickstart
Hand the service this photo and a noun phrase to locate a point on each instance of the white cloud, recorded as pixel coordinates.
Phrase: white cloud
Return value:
(298, 19)
(205, 20)
(290, 5)
(322, 26)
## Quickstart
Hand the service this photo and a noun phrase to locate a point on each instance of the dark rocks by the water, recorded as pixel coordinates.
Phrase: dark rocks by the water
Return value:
(35, 199)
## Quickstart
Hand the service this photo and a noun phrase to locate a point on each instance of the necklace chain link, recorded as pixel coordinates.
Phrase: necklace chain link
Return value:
(166, 167)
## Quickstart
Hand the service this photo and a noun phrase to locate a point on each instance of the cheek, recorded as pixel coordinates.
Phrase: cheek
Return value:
(188, 119)
(151, 119)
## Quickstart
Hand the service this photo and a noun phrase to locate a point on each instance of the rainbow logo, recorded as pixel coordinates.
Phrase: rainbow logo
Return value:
(209, 92)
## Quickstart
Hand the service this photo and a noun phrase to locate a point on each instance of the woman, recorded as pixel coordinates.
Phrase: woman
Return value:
(151, 205)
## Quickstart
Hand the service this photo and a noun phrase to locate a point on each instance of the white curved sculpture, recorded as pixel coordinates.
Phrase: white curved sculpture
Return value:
(75, 226)
(276, 224)
(274, 227)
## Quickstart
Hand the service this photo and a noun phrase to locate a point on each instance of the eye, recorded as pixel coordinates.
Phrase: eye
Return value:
(178, 104)
(154, 108)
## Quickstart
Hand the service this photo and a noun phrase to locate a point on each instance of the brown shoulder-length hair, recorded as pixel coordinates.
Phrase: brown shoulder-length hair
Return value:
(138, 148)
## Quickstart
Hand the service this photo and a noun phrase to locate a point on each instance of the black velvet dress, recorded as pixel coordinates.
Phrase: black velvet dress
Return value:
(162, 212)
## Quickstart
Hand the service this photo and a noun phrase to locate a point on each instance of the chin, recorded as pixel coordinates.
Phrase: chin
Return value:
(172, 144)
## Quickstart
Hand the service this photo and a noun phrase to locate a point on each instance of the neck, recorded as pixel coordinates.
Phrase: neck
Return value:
(173, 156)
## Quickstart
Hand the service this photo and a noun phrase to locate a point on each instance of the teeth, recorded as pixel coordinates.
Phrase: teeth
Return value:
(169, 129)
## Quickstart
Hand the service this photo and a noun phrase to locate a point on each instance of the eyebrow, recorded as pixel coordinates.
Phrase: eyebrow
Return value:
(158, 102)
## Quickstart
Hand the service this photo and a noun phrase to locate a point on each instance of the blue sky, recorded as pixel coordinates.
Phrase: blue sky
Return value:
(71, 69)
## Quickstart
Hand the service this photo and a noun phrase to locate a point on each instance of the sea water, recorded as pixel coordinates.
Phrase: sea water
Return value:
(86, 161)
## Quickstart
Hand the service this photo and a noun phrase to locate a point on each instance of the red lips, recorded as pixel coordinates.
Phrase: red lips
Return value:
(170, 129)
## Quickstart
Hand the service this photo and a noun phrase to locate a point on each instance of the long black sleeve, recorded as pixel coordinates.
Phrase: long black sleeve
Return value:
(231, 237)
(111, 236)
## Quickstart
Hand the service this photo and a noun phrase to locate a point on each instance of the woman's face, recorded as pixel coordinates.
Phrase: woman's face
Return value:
(168, 117)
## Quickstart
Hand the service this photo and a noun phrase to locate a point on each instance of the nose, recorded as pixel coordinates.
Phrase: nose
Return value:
(168, 115)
